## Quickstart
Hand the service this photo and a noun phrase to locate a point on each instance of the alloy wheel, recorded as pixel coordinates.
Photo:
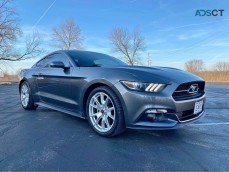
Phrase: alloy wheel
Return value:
(24, 95)
(102, 111)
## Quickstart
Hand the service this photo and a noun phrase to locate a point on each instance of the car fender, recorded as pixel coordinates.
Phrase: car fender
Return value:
(100, 82)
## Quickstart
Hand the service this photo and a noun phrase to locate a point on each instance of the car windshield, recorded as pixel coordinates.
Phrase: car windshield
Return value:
(92, 59)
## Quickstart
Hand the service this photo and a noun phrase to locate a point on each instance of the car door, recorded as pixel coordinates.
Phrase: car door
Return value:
(55, 84)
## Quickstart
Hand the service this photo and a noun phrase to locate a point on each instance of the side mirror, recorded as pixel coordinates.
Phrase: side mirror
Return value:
(57, 64)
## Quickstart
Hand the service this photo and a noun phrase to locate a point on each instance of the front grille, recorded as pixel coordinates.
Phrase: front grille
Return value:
(183, 91)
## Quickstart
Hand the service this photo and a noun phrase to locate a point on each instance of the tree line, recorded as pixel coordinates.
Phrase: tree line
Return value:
(197, 65)
(128, 45)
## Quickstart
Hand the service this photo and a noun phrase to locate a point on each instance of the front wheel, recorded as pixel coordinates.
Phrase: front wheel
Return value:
(26, 97)
(104, 112)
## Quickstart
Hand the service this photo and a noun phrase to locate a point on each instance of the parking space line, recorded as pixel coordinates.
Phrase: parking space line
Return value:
(205, 124)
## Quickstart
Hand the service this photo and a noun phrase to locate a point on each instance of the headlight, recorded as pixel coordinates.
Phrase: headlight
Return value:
(139, 86)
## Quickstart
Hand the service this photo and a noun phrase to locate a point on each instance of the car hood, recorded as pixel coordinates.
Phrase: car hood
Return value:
(162, 74)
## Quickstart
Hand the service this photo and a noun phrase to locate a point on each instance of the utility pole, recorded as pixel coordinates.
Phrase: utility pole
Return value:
(149, 60)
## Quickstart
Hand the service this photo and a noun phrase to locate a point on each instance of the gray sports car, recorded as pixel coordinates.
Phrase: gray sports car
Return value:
(110, 94)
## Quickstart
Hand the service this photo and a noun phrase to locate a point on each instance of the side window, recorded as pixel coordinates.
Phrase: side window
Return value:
(62, 58)
(57, 57)
(49, 60)
(41, 63)
(53, 57)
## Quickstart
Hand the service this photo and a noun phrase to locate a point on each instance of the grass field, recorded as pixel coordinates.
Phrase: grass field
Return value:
(214, 76)
(7, 79)
(208, 76)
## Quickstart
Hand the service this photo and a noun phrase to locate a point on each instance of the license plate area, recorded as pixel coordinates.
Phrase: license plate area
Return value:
(198, 107)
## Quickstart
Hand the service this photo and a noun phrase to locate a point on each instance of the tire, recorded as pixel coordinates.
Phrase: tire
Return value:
(26, 97)
(105, 112)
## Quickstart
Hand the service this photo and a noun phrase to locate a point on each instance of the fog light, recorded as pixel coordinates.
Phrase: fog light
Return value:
(160, 117)
(155, 117)
(151, 116)
(156, 111)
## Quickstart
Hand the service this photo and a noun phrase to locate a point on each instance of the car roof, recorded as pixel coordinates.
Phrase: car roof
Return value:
(79, 51)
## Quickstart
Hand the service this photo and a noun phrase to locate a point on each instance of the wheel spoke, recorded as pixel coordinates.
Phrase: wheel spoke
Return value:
(98, 114)
(26, 89)
(110, 115)
(23, 89)
(102, 98)
(111, 108)
(103, 124)
(106, 101)
(94, 106)
(93, 115)
(107, 123)
(23, 98)
(96, 101)
(97, 120)
(26, 100)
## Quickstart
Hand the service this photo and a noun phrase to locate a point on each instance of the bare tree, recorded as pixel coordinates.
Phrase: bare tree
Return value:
(32, 49)
(9, 33)
(129, 45)
(194, 65)
(68, 35)
(221, 66)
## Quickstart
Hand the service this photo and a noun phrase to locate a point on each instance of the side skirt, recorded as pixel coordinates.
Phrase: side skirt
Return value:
(61, 110)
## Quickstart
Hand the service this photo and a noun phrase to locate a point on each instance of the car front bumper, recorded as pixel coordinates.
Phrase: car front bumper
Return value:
(166, 124)
(136, 105)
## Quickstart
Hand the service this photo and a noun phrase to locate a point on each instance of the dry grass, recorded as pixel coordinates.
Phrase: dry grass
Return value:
(214, 76)
(7, 79)
(208, 76)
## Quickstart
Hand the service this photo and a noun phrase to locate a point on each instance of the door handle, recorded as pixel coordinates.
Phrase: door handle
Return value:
(40, 77)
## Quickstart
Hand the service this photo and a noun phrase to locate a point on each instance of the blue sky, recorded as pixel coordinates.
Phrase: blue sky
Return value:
(172, 32)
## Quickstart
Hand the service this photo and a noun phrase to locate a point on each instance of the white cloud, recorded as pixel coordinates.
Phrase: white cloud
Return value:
(44, 33)
(155, 41)
(193, 25)
(217, 44)
(188, 36)
(182, 37)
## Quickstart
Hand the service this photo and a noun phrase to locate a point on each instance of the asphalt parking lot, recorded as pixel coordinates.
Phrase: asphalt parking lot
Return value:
(48, 140)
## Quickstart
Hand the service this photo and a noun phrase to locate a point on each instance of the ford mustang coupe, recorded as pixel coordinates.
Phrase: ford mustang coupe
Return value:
(110, 94)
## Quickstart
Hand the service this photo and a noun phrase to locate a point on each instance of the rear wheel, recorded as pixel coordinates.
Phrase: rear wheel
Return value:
(104, 111)
(26, 97)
